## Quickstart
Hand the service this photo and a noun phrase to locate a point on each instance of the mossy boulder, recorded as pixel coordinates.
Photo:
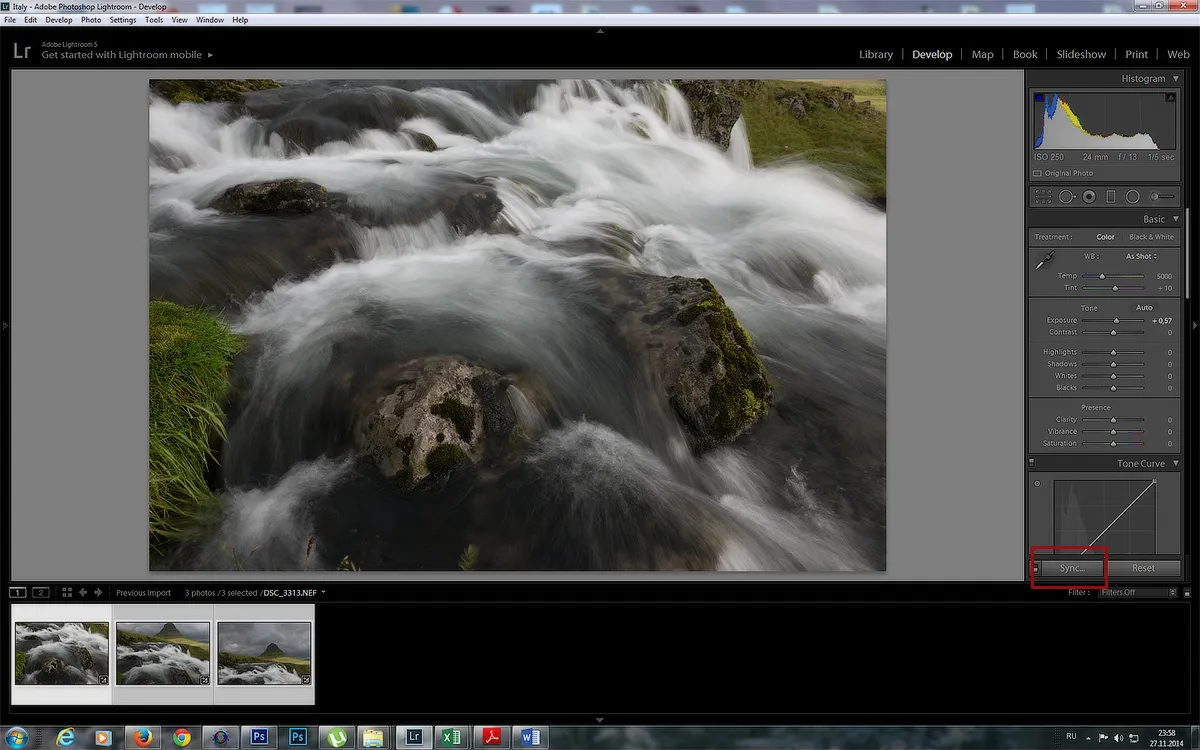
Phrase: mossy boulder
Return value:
(434, 415)
(715, 110)
(421, 141)
(200, 91)
(699, 353)
(290, 196)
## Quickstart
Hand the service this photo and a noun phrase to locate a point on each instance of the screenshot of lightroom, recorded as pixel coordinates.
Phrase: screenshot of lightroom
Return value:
(402, 381)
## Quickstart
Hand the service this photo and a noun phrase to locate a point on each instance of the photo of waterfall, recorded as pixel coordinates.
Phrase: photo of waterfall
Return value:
(163, 653)
(264, 653)
(506, 325)
(61, 653)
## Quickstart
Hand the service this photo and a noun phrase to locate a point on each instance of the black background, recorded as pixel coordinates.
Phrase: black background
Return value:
(749, 653)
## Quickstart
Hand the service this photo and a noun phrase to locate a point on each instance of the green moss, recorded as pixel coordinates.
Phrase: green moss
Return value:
(743, 393)
(86, 660)
(204, 90)
(469, 558)
(120, 678)
(347, 564)
(190, 354)
(99, 628)
(297, 666)
(844, 137)
(199, 652)
(440, 461)
(20, 671)
(458, 414)
(195, 648)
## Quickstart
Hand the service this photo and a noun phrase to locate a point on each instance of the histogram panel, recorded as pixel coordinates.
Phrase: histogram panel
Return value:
(1141, 121)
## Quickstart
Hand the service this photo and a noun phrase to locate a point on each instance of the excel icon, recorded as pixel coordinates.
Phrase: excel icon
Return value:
(453, 738)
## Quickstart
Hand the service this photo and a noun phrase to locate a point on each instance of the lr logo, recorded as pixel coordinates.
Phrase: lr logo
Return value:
(18, 54)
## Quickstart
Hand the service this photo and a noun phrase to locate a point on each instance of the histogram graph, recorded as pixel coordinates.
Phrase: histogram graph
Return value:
(1118, 514)
(1104, 121)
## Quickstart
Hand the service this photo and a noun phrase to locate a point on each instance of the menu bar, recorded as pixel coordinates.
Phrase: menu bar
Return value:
(1073, 7)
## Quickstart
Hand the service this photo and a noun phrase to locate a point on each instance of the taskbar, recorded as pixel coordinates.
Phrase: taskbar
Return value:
(597, 736)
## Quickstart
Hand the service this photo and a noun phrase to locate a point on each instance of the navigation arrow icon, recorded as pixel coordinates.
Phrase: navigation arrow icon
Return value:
(1175, 217)
(210, 54)
(600, 720)
(1176, 78)
(1176, 463)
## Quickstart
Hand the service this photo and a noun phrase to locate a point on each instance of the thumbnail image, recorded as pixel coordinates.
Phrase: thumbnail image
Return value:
(484, 325)
(61, 653)
(264, 653)
(163, 653)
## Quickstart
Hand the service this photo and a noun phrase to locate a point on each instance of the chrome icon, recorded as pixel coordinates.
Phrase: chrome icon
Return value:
(183, 738)
(143, 737)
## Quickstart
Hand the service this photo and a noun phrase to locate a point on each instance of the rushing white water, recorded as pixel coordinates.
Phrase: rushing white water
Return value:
(158, 664)
(257, 674)
(800, 260)
(64, 653)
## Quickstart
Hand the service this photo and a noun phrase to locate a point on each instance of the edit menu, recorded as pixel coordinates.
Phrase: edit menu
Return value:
(1106, 286)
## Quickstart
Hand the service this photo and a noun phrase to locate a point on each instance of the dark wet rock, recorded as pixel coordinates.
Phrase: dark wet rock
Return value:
(290, 196)
(436, 414)
(714, 110)
(309, 116)
(52, 671)
(700, 355)
(606, 239)
(476, 208)
(788, 270)
(421, 141)
(219, 264)
(467, 204)
(590, 500)
(179, 91)
(164, 676)
(160, 157)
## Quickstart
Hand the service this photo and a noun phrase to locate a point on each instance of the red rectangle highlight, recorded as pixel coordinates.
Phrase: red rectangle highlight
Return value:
(1078, 550)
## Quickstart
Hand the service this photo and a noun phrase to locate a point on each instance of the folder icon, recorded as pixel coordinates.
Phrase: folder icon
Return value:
(372, 738)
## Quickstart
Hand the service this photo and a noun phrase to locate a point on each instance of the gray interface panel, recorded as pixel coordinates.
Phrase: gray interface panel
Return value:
(1105, 292)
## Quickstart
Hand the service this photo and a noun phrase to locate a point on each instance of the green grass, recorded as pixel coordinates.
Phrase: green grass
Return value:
(469, 558)
(190, 355)
(20, 672)
(869, 90)
(193, 647)
(297, 665)
(97, 628)
(846, 141)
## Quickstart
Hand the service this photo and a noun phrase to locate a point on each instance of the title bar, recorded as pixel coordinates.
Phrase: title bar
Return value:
(233, 20)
